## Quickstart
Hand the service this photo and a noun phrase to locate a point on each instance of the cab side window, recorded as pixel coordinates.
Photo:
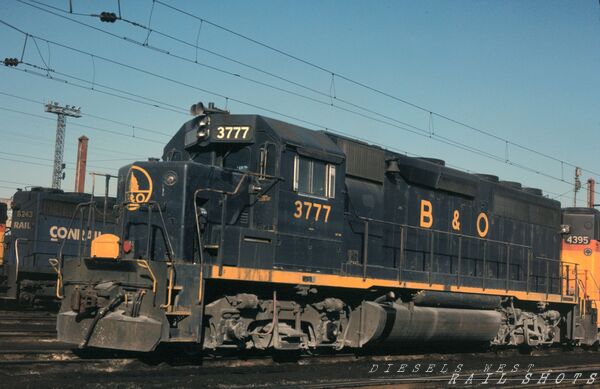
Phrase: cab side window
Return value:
(314, 177)
(237, 159)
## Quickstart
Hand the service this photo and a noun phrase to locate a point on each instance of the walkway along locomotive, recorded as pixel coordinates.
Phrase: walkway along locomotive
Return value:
(255, 233)
(45, 222)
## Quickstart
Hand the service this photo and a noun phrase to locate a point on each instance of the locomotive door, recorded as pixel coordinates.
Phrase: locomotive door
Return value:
(310, 209)
(258, 239)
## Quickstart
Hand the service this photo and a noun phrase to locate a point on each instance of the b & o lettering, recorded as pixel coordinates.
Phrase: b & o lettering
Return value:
(426, 220)
(456, 221)
(482, 225)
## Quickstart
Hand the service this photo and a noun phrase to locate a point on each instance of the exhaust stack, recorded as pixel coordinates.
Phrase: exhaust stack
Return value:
(81, 164)
(591, 193)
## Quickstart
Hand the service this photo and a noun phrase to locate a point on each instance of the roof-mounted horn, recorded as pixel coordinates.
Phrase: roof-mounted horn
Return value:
(199, 109)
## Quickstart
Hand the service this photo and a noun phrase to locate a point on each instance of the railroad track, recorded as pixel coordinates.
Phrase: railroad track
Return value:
(30, 356)
(316, 373)
(28, 333)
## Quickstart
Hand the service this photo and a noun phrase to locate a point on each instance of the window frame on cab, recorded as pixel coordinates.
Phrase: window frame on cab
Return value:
(329, 177)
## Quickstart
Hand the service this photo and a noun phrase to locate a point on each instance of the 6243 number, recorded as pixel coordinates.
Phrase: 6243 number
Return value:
(304, 208)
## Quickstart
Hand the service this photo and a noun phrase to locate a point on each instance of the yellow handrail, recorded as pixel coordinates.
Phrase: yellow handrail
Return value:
(54, 263)
(143, 263)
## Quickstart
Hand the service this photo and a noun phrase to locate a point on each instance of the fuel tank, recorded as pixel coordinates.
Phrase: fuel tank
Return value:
(408, 324)
(431, 298)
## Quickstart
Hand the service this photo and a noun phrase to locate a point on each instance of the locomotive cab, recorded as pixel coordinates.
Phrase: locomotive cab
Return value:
(232, 191)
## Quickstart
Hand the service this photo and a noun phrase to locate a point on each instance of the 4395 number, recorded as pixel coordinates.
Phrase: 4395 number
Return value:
(577, 239)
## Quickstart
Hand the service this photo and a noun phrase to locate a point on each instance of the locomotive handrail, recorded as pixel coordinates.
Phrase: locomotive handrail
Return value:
(150, 204)
(223, 216)
(595, 283)
(432, 233)
(59, 259)
(440, 231)
(591, 275)
(17, 256)
(62, 243)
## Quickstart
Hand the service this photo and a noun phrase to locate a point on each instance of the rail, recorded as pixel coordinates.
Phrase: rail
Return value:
(562, 277)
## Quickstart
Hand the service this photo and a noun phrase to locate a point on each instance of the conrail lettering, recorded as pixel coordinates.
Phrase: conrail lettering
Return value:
(21, 225)
(59, 232)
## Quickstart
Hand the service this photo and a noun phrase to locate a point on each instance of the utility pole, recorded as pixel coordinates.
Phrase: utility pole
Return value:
(59, 147)
(577, 185)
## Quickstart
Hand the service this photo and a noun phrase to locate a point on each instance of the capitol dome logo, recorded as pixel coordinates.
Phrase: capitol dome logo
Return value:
(139, 188)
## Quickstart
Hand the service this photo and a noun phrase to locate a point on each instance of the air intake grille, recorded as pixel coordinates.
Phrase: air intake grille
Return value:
(363, 161)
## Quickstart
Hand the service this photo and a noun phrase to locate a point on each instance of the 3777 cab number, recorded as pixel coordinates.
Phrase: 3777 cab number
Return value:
(308, 210)
(233, 133)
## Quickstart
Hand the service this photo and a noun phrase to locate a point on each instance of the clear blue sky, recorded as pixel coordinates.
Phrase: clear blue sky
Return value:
(524, 71)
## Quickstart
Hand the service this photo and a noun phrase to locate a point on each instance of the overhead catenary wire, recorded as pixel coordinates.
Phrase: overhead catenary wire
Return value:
(139, 99)
(29, 140)
(298, 84)
(87, 114)
(6, 153)
(333, 75)
(330, 103)
(87, 126)
(418, 131)
(369, 87)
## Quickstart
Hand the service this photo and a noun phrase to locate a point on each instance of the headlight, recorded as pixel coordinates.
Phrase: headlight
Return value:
(203, 133)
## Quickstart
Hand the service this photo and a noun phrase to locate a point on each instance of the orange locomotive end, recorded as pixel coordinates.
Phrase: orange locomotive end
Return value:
(3, 219)
(581, 245)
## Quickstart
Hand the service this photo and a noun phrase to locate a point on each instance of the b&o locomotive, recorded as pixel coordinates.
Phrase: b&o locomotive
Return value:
(253, 233)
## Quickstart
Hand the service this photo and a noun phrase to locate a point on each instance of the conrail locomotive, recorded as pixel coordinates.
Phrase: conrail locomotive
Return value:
(46, 222)
(253, 233)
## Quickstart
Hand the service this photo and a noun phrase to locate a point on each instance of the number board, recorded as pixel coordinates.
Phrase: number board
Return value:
(577, 239)
(242, 134)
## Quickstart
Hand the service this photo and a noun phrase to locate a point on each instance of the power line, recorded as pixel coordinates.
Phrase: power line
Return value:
(93, 88)
(333, 74)
(17, 183)
(46, 159)
(422, 132)
(128, 125)
(89, 127)
(368, 87)
(329, 103)
(44, 141)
